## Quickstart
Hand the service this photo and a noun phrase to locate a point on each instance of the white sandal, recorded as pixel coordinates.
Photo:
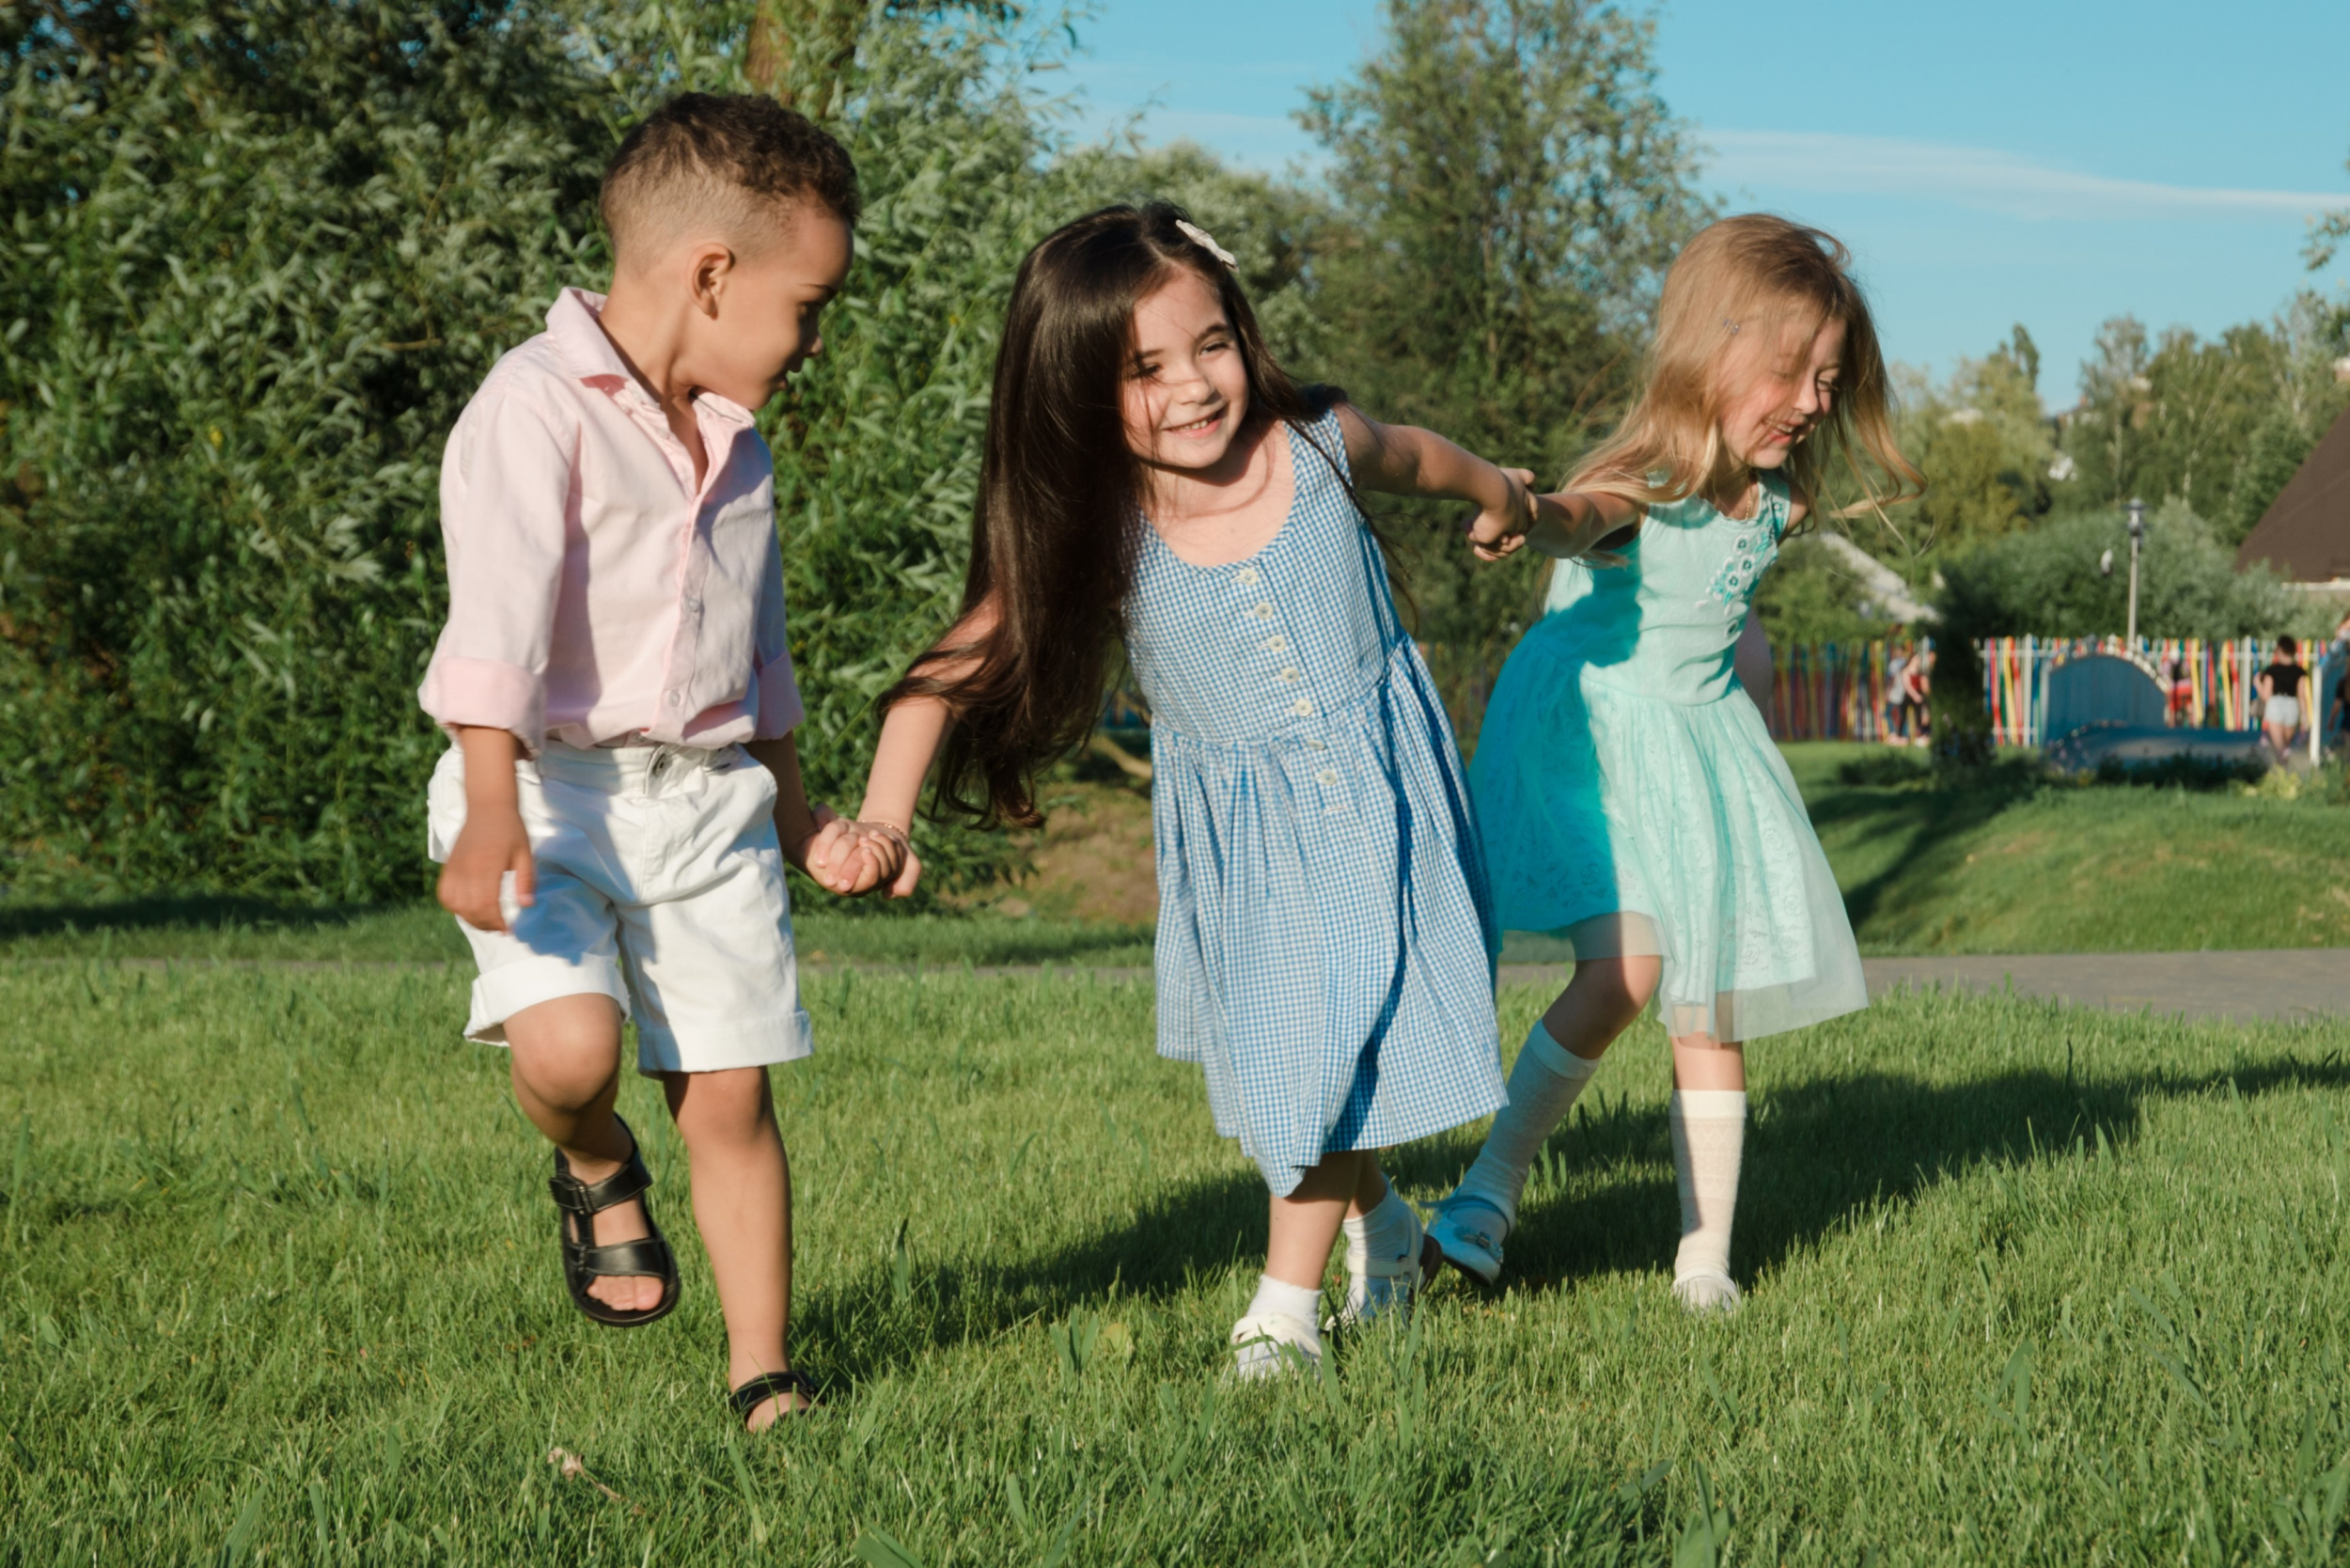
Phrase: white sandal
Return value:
(1708, 1295)
(1266, 1344)
(1468, 1232)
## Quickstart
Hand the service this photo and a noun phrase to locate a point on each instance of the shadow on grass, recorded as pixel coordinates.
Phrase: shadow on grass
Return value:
(1832, 1149)
(200, 911)
(1829, 1151)
(1922, 820)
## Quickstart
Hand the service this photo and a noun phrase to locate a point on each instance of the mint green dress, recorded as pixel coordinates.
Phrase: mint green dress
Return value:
(1632, 802)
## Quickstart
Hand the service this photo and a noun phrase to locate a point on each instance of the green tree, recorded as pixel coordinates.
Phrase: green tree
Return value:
(1984, 445)
(2049, 581)
(2220, 423)
(1510, 188)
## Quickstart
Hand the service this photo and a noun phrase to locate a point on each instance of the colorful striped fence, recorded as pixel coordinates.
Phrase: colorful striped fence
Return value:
(1839, 692)
(2218, 679)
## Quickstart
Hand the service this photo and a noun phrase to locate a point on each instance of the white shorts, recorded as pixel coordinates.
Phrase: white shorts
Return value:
(659, 885)
(2283, 713)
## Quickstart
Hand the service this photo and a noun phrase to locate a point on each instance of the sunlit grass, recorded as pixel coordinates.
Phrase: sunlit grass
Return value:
(2024, 1285)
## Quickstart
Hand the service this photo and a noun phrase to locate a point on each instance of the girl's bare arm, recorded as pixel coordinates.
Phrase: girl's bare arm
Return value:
(909, 742)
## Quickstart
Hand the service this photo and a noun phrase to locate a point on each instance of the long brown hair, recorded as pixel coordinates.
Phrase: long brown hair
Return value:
(1061, 498)
(1735, 297)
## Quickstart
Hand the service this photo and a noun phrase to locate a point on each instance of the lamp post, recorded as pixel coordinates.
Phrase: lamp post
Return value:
(2138, 534)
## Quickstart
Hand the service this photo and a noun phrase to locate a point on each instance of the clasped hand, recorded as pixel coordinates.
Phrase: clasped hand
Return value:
(1495, 534)
(853, 857)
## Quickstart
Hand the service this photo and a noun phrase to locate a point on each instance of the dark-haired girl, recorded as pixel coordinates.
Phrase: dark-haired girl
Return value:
(1326, 939)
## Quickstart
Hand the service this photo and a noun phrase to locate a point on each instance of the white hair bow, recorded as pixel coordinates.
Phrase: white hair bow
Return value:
(1205, 241)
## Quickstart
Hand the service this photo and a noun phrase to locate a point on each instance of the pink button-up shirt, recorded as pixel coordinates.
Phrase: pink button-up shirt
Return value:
(594, 594)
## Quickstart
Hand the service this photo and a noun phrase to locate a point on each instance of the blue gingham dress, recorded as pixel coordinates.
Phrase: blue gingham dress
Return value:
(1326, 939)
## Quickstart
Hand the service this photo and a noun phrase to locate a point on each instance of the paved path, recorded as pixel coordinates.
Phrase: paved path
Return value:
(2284, 983)
(2288, 983)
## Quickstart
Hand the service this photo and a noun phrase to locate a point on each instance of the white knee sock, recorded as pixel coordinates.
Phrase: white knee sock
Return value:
(1543, 1088)
(1709, 1130)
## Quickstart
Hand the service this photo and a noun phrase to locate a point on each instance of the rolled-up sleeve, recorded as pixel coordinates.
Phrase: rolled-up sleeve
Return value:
(506, 492)
(774, 690)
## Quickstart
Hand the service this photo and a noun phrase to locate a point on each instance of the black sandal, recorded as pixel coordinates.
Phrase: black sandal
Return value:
(583, 1261)
(766, 1386)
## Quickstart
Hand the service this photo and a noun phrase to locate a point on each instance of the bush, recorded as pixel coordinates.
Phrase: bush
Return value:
(2206, 774)
(259, 253)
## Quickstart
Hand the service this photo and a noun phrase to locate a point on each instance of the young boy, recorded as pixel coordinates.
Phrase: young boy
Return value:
(623, 789)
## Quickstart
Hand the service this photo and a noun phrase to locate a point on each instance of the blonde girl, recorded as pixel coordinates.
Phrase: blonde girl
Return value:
(1632, 801)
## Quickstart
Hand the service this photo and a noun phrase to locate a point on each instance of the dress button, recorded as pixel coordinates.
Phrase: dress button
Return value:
(1276, 644)
(677, 699)
(1315, 746)
(1245, 576)
(1327, 775)
(1262, 612)
(1302, 707)
(1290, 676)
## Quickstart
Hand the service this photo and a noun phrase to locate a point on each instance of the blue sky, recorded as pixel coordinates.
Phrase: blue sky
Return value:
(2051, 162)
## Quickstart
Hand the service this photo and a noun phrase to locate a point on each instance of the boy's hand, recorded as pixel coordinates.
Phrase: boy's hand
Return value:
(491, 843)
(1496, 532)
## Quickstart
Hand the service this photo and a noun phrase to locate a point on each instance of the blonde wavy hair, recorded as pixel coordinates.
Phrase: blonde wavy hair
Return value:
(1744, 301)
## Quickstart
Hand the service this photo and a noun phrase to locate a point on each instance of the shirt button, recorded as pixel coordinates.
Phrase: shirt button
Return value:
(1302, 707)
(1312, 745)
(1327, 775)
(677, 699)
(1290, 676)
(1245, 576)
(1276, 644)
(1262, 612)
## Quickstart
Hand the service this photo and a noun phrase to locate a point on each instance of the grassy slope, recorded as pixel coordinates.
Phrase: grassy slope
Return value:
(240, 929)
(2016, 866)
(2025, 1286)
(2012, 865)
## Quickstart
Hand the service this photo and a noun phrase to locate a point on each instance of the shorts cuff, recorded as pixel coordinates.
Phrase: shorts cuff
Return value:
(759, 1042)
(506, 990)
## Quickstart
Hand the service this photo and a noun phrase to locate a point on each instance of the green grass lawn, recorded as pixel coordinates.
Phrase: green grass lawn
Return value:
(2013, 863)
(2026, 1285)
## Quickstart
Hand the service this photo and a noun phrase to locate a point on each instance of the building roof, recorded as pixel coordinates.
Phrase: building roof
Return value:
(2305, 533)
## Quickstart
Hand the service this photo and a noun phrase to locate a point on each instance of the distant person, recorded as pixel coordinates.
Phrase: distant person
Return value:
(624, 791)
(1630, 798)
(1896, 665)
(2178, 680)
(2280, 688)
(1325, 932)
(1917, 695)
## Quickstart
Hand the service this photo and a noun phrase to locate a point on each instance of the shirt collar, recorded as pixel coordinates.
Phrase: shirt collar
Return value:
(578, 337)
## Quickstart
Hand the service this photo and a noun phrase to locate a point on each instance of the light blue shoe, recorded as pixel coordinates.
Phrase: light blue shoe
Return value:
(1469, 1231)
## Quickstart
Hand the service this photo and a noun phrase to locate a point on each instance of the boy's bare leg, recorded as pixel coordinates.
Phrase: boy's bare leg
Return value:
(567, 1075)
(742, 1202)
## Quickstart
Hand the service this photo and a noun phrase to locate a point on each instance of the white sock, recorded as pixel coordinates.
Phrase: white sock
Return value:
(1709, 1129)
(1302, 1302)
(1385, 1232)
(1543, 1088)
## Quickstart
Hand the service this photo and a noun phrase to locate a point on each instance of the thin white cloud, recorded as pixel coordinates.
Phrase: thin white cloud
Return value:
(1982, 178)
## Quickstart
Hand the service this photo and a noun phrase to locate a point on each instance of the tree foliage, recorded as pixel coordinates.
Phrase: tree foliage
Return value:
(259, 254)
(2221, 423)
(2049, 582)
(1510, 188)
